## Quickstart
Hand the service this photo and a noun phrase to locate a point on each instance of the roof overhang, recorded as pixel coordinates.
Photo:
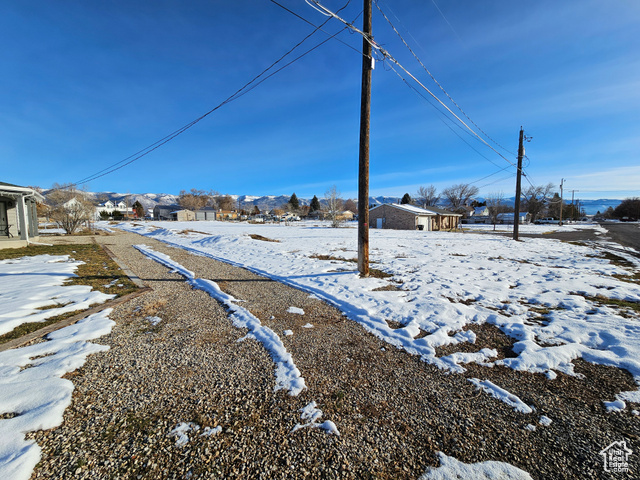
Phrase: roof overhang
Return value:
(16, 192)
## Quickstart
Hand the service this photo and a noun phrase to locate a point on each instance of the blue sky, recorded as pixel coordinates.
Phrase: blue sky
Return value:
(86, 84)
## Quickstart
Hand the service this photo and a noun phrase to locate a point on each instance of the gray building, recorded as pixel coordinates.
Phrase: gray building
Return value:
(163, 212)
(207, 213)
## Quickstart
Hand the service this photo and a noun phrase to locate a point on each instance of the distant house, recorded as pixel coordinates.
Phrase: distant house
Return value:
(481, 211)
(163, 212)
(408, 217)
(18, 215)
(347, 215)
(183, 215)
(110, 206)
(467, 211)
(207, 213)
(316, 215)
(222, 215)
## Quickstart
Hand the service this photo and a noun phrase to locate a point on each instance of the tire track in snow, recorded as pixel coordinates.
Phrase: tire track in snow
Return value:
(288, 377)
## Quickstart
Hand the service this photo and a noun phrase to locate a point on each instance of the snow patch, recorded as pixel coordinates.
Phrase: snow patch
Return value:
(450, 468)
(28, 284)
(311, 413)
(288, 376)
(544, 420)
(615, 406)
(501, 394)
(31, 387)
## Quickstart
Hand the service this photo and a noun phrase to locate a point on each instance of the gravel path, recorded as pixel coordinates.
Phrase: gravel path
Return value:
(393, 411)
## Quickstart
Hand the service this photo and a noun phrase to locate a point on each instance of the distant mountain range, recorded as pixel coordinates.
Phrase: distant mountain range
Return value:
(268, 202)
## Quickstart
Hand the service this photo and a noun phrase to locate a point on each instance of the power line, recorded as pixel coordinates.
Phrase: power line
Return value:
(443, 114)
(323, 23)
(434, 78)
(499, 180)
(246, 88)
(388, 56)
(450, 128)
(315, 4)
(491, 175)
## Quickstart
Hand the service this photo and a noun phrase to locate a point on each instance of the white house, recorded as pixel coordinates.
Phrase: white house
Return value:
(109, 207)
(18, 215)
(480, 211)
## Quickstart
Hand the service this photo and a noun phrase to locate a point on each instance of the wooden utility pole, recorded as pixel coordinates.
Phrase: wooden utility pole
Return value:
(363, 170)
(561, 199)
(516, 213)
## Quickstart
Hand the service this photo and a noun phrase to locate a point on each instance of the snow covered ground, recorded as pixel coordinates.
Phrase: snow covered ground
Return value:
(448, 281)
(29, 284)
(33, 396)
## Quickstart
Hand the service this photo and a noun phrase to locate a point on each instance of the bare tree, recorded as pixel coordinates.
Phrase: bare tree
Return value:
(225, 202)
(459, 195)
(536, 198)
(193, 200)
(69, 207)
(496, 206)
(334, 206)
(427, 196)
(351, 205)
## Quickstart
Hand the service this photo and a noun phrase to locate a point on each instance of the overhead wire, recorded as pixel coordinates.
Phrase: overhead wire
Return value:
(388, 56)
(445, 117)
(385, 54)
(450, 128)
(434, 78)
(313, 25)
(448, 96)
(497, 181)
(246, 88)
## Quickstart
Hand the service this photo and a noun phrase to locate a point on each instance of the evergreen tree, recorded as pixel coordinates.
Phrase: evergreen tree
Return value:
(139, 209)
(256, 210)
(315, 204)
(406, 199)
(293, 201)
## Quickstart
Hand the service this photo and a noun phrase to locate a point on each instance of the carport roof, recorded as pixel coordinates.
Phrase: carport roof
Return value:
(15, 191)
(419, 211)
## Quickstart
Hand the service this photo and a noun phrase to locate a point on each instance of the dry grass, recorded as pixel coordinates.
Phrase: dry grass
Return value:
(375, 273)
(97, 271)
(187, 231)
(337, 259)
(255, 236)
(151, 309)
(613, 302)
(388, 288)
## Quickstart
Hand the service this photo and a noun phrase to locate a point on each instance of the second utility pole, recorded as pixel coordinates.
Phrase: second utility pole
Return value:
(363, 169)
(516, 213)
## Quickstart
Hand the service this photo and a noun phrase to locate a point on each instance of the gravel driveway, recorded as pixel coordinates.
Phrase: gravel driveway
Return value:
(393, 411)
